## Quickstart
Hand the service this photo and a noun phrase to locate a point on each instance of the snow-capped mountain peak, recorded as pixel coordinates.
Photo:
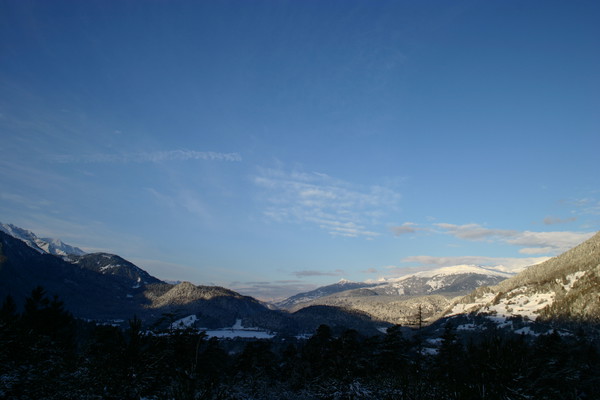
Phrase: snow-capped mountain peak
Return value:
(460, 269)
(455, 278)
(42, 245)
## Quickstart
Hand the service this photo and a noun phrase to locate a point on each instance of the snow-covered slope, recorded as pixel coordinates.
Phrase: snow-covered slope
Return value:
(112, 264)
(455, 279)
(42, 245)
(459, 279)
(396, 300)
(565, 287)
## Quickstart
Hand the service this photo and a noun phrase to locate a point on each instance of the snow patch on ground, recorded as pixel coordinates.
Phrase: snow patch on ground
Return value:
(107, 267)
(428, 351)
(238, 331)
(466, 327)
(184, 323)
(230, 334)
(526, 330)
(517, 302)
(435, 284)
(571, 279)
(304, 336)
(479, 302)
(238, 324)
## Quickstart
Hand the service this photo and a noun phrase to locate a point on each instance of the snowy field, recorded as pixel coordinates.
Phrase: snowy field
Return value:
(235, 331)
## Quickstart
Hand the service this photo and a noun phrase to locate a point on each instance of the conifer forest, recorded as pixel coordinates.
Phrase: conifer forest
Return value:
(45, 353)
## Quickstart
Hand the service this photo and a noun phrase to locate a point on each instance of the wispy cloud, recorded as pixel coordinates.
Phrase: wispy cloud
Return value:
(13, 199)
(306, 273)
(475, 231)
(370, 271)
(532, 242)
(336, 206)
(348, 229)
(405, 228)
(548, 242)
(554, 220)
(583, 206)
(144, 157)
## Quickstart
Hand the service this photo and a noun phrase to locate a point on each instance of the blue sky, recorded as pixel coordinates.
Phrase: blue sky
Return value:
(273, 146)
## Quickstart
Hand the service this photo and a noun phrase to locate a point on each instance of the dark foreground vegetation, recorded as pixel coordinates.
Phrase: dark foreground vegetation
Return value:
(47, 354)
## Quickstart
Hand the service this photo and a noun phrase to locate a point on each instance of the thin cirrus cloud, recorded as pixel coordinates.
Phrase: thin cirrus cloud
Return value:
(335, 206)
(143, 157)
(555, 220)
(584, 206)
(548, 242)
(406, 228)
(306, 273)
(531, 242)
(370, 270)
(475, 231)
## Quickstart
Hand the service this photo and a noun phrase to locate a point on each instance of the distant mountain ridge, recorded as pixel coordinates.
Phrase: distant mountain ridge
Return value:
(394, 300)
(455, 279)
(111, 264)
(398, 300)
(106, 286)
(42, 245)
(85, 292)
(307, 297)
(102, 286)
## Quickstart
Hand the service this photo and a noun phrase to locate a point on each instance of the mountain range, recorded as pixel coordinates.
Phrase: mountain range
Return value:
(302, 299)
(398, 300)
(42, 245)
(104, 286)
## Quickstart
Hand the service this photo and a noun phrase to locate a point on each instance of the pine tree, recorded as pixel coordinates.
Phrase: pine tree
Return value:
(449, 364)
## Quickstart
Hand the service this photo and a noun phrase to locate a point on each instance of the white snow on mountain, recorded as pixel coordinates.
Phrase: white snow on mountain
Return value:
(42, 245)
(518, 302)
(454, 278)
(184, 323)
(455, 270)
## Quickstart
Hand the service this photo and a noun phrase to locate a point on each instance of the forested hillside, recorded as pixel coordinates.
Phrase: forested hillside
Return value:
(564, 288)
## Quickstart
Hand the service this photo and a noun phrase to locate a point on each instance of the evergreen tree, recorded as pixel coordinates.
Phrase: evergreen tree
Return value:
(42, 349)
(317, 352)
(449, 365)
